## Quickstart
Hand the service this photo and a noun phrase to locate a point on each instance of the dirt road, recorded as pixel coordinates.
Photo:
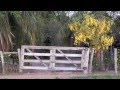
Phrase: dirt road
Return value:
(49, 75)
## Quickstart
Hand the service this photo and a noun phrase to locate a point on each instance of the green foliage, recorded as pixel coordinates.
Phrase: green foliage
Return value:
(2, 14)
(5, 32)
(6, 57)
(17, 14)
(96, 64)
(118, 58)
(37, 26)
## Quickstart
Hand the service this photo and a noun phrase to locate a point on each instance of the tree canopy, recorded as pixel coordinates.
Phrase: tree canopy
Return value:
(34, 27)
(91, 31)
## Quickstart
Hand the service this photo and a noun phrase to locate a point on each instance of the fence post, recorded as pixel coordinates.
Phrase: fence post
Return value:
(21, 58)
(86, 59)
(52, 59)
(115, 60)
(2, 61)
(91, 59)
(82, 59)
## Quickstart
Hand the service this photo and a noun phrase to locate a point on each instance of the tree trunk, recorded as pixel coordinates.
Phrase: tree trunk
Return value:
(111, 53)
(91, 59)
(72, 39)
(102, 61)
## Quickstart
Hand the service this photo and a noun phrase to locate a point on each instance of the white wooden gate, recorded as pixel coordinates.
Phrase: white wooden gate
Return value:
(53, 58)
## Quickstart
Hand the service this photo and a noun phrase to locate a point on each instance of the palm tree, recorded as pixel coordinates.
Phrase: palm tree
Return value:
(5, 32)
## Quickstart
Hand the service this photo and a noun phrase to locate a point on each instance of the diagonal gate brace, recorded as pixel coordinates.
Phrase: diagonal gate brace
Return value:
(37, 57)
(67, 57)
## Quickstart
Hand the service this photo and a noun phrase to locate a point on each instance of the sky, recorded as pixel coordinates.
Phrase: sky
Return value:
(70, 13)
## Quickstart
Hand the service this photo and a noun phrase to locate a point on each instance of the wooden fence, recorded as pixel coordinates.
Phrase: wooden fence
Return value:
(53, 58)
(2, 61)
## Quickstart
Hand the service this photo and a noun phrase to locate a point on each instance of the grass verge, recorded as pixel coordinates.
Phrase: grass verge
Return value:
(98, 77)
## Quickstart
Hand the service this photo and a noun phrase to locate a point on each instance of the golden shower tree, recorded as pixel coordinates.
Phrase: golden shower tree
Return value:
(93, 32)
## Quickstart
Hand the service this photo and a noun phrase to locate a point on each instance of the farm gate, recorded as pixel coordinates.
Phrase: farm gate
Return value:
(53, 58)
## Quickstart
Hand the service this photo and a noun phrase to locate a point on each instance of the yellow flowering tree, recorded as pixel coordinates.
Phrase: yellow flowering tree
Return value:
(93, 32)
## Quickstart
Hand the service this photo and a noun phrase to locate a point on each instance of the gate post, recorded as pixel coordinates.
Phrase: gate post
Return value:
(52, 59)
(115, 60)
(2, 61)
(86, 59)
(21, 58)
(91, 59)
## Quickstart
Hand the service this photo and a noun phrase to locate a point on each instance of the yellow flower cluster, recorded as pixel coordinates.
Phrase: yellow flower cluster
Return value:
(106, 40)
(91, 21)
(94, 30)
(74, 26)
(78, 38)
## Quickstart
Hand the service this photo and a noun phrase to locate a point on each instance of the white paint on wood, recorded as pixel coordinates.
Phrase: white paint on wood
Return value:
(91, 60)
(37, 54)
(56, 61)
(2, 60)
(22, 58)
(82, 59)
(34, 67)
(49, 54)
(115, 59)
(10, 52)
(68, 55)
(45, 68)
(67, 68)
(20, 63)
(68, 62)
(85, 64)
(36, 61)
(52, 59)
(55, 47)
